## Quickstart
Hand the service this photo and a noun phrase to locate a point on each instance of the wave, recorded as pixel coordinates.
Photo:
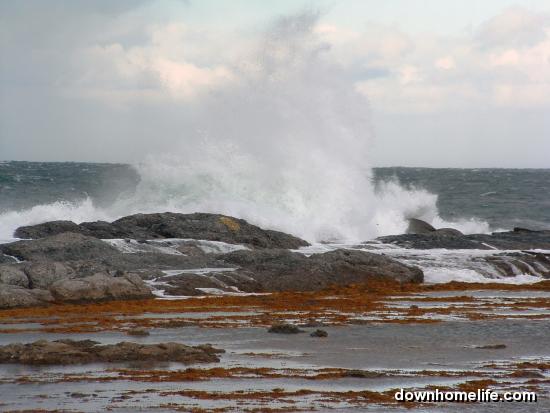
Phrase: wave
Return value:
(286, 145)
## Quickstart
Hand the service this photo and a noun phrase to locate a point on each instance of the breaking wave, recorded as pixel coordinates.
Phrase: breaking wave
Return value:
(285, 145)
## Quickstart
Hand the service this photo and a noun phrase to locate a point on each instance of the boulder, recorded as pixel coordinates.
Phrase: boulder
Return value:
(203, 226)
(66, 246)
(319, 333)
(14, 296)
(42, 274)
(13, 275)
(417, 226)
(45, 352)
(100, 287)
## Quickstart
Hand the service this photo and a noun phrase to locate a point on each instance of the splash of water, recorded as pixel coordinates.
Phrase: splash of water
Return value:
(286, 146)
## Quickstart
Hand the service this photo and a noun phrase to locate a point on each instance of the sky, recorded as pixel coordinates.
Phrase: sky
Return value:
(444, 84)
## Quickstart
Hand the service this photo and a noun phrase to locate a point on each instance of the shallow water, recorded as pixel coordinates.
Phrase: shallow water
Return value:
(401, 350)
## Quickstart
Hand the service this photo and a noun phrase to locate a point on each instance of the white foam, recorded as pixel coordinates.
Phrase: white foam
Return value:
(286, 146)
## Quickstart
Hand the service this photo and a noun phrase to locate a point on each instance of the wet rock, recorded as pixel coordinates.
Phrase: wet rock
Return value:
(100, 287)
(213, 227)
(451, 239)
(44, 352)
(7, 259)
(46, 229)
(448, 232)
(363, 374)
(284, 328)
(137, 332)
(67, 246)
(319, 333)
(492, 347)
(13, 275)
(282, 270)
(417, 226)
(433, 240)
(14, 296)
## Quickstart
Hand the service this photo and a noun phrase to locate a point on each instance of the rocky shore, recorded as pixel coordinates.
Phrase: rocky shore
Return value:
(168, 254)
(184, 254)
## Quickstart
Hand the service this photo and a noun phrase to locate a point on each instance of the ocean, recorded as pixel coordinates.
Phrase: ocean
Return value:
(472, 200)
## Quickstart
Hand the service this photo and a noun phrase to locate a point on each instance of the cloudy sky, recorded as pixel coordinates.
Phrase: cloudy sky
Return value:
(457, 84)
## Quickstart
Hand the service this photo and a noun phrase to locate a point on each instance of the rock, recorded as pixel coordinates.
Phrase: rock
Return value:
(67, 246)
(319, 333)
(13, 275)
(137, 332)
(14, 296)
(492, 347)
(449, 232)
(284, 328)
(363, 374)
(452, 239)
(100, 287)
(282, 270)
(7, 259)
(203, 226)
(42, 274)
(44, 352)
(46, 229)
(417, 226)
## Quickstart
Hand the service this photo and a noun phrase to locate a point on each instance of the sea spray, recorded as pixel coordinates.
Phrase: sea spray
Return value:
(285, 145)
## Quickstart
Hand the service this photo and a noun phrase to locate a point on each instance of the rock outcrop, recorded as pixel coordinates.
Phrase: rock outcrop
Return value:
(67, 246)
(13, 296)
(213, 227)
(283, 270)
(100, 287)
(453, 239)
(44, 352)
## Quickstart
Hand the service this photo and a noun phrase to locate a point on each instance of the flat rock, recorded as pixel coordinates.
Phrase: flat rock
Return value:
(100, 287)
(14, 296)
(272, 270)
(45, 352)
(203, 226)
(452, 239)
(282, 270)
(66, 246)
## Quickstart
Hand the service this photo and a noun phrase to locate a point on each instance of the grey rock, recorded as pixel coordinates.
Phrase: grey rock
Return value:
(509, 240)
(42, 274)
(450, 232)
(282, 270)
(45, 352)
(319, 333)
(213, 227)
(100, 287)
(46, 229)
(284, 328)
(61, 247)
(417, 226)
(14, 296)
(13, 274)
